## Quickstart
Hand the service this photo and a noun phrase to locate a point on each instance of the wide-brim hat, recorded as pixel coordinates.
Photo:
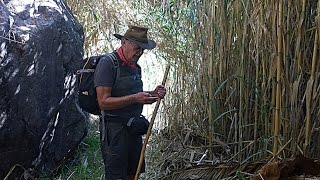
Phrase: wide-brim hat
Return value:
(138, 35)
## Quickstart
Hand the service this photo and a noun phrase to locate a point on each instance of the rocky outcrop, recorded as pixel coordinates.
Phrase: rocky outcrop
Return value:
(40, 50)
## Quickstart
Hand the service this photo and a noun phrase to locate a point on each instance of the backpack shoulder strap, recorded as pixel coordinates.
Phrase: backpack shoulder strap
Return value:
(115, 63)
(114, 59)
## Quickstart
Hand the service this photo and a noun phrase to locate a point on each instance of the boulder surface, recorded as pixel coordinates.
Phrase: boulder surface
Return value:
(41, 47)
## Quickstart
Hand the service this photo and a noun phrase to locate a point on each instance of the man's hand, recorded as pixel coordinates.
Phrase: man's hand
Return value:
(160, 91)
(145, 98)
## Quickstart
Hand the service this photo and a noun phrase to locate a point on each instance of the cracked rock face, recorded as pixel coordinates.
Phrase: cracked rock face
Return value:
(40, 50)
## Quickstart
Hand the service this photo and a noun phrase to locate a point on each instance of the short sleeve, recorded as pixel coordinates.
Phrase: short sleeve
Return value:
(104, 74)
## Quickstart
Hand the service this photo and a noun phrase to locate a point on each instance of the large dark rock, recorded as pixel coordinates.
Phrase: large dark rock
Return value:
(40, 51)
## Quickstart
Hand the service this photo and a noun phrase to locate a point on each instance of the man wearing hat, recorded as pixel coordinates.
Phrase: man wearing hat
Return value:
(121, 101)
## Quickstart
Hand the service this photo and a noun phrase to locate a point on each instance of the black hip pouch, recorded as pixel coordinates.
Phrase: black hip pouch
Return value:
(138, 125)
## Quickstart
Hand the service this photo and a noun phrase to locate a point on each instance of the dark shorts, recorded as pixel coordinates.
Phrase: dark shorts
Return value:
(120, 151)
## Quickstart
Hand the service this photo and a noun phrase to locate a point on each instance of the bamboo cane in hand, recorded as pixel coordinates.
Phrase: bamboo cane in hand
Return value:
(143, 149)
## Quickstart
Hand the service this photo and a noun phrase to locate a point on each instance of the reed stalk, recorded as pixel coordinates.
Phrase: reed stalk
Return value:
(309, 89)
(279, 71)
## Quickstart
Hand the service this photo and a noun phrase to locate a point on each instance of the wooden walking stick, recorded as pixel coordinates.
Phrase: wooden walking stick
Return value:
(143, 149)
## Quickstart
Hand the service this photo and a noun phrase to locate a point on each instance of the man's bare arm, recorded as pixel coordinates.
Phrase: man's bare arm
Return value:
(107, 102)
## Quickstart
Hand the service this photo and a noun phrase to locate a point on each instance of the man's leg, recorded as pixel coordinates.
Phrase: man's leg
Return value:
(114, 148)
(135, 145)
(131, 177)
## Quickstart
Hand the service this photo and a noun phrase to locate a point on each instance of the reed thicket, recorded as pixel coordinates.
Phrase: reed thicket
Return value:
(244, 72)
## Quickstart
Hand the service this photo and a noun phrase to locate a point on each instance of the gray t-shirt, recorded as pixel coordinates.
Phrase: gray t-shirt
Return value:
(128, 82)
(104, 74)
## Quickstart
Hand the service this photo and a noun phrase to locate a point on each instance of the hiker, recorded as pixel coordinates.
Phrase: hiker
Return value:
(121, 100)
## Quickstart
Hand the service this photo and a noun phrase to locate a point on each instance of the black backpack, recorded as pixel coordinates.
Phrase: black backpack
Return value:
(86, 91)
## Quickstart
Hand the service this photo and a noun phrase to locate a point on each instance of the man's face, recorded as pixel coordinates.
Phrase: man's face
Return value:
(132, 51)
